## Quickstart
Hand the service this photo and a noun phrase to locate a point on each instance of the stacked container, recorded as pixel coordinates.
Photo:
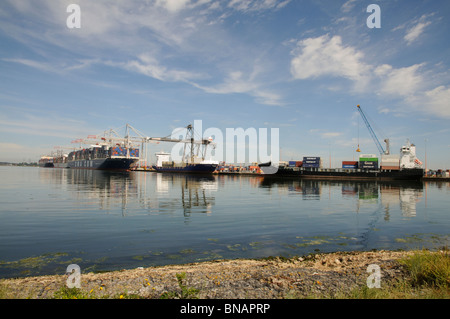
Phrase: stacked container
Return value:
(350, 164)
(295, 163)
(391, 162)
(119, 151)
(368, 161)
(134, 152)
(311, 161)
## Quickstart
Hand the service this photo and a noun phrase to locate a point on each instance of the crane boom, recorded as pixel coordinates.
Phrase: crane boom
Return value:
(374, 136)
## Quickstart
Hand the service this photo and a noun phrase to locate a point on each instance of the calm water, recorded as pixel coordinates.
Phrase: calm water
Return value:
(50, 218)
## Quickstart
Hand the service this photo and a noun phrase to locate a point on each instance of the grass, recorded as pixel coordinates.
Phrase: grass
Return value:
(429, 269)
(428, 278)
(186, 293)
(76, 293)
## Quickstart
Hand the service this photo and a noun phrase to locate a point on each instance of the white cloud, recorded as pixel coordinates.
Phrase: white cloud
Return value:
(348, 6)
(315, 57)
(173, 5)
(149, 66)
(236, 82)
(413, 33)
(418, 27)
(401, 82)
(328, 57)
(36, 125)
(435, 101)
(331, 134)
(257, 5)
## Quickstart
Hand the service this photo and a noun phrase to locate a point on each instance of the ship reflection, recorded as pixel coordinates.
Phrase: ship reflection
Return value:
(136, 192)
(196, 191)
(403, 195)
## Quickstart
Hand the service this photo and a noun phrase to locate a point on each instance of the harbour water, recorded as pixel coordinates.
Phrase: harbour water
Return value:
(50, 218)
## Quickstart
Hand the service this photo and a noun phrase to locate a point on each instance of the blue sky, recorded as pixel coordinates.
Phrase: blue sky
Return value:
(300, 66)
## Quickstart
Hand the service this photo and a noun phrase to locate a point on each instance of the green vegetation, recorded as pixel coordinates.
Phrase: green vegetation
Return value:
(186, 293)
(428, 277)
(76, 293)
(429, 269)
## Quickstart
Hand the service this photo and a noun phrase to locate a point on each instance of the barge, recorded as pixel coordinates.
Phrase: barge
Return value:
(404, 167)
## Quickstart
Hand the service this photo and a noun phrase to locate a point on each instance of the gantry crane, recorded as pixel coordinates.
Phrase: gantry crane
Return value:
(374, 136)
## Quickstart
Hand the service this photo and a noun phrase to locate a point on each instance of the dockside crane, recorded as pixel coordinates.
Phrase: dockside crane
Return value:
(189, 139)
(374, 136)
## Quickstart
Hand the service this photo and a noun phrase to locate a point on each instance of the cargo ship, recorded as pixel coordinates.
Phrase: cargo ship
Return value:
(46, 161)
(61, 161)
(406, 166)
(190, 161)
(104, 157)
(164, 165)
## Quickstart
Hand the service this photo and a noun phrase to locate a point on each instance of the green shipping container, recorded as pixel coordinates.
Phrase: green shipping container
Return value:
(368, 159)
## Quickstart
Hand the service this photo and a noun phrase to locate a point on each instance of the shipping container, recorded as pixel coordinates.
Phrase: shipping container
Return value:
(311, 165)
(298, 163)
(392, 168)
(292, 163)
(367, 155)
(311, 158)
(368, 159)
(311, 162)
(368, 163)
(374, 165)
(349, 166)
(349, 162)
(389, 164)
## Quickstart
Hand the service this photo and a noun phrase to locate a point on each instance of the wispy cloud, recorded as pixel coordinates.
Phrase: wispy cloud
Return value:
(348, 6)
(150, 38)
(413, 33)
(257, 5)
(45, 125)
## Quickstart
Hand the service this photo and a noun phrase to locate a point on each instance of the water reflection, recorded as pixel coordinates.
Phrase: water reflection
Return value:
(154, 192)
(404, 195)
(196, 191)
(159, 192)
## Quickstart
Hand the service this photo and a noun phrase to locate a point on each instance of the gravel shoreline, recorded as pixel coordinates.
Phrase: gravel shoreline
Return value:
(324, 275)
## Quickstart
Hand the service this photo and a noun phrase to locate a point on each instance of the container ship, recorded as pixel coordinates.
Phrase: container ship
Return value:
(406, 166)
(108, 152)
(46, 161)
(103, 157)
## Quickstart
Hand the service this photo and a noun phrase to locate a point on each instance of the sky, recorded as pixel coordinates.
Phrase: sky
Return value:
(298, 66)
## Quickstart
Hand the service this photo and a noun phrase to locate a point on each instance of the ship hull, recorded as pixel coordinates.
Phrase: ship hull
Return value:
(61, 165)
(190, 168)
(104, 164)
(345, 174)
(46, 165)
